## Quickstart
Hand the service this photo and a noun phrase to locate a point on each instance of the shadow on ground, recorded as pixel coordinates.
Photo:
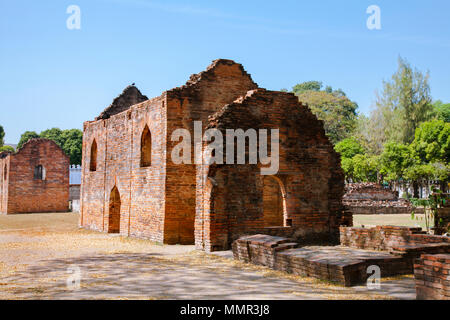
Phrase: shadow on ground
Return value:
(149, 276)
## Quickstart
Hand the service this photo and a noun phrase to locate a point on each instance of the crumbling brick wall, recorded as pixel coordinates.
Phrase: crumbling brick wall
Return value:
(118, 164)
(157, 202)
(164, 201)
(203, 95)
(432, 275)
(22, 191)
(230, 197)
(373, 198)
(385, 238)
(336, 264)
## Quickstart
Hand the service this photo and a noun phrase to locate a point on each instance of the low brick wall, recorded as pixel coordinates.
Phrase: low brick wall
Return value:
(360, 209)
(432, 275)
(260, 249)
(392, 249)
(443, 217)
(385, 238)
(341, 265)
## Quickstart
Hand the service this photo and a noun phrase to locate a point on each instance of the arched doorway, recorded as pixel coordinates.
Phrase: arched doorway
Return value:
(274, 202)
(146, 148)
(93, 162)
(114, 211)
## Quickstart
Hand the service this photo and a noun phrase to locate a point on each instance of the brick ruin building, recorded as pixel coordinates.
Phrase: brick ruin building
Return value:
(35, 178)
(373, 198)
(131, 186)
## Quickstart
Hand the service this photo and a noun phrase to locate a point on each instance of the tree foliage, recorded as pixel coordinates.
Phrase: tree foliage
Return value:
(73, 144)
(27, 135)
(307, 86)
(404, 141)
(349, 147)
(395, 158)
(442, 111)
(2, 136)
(337, 112)
(404, 103)
(54, 134)
(6, 148)
(357, 165)
(71, 141)
(432, 142)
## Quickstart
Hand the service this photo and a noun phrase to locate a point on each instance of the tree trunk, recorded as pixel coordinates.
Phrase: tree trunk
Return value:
(443, 186)
(416, 189)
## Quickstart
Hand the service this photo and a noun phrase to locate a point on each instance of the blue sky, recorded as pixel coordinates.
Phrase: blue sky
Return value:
(51, 76)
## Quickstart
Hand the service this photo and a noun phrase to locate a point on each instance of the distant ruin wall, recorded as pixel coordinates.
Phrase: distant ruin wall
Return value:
(35, 179)
(372, 198)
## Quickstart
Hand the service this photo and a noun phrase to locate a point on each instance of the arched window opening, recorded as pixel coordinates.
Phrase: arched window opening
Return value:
(146, 148)
(5, 172)
(274, 202)
(114, 211)
(39, 172)
(93, 163)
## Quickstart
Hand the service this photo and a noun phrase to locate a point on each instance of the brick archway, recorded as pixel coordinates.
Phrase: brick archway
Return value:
(114, 211)
(274, 202)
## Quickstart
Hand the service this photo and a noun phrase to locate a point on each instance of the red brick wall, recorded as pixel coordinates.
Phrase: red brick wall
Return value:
(325, 263)
(159, 202)
(230, 197)
(162, 205)
(432, 275)
(385, 238)
(4, 168)
(203, 95)
(22, 193)
(141, 189)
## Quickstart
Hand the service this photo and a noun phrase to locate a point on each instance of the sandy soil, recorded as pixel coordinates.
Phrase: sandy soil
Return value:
(42, 256)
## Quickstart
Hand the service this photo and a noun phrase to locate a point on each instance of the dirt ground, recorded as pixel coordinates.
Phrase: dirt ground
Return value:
(46, 256)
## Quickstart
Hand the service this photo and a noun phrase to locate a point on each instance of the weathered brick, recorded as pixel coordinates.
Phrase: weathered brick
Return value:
(22, 192)
(173, 203)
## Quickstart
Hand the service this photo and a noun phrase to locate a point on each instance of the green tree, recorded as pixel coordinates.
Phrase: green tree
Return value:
(6, 148)
(432, 142)
(2, 136)
(442, 110)
(347, 165)
(365, 168)
(307, 86)
(54, 134)
(404, 103)
(394, 160)
(337, 112)
(27, 135)
(71, 141)
(349, 147)
(370, 131)
(73, 144)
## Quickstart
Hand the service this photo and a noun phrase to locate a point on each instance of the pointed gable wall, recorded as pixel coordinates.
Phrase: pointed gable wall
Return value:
(204, 94)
